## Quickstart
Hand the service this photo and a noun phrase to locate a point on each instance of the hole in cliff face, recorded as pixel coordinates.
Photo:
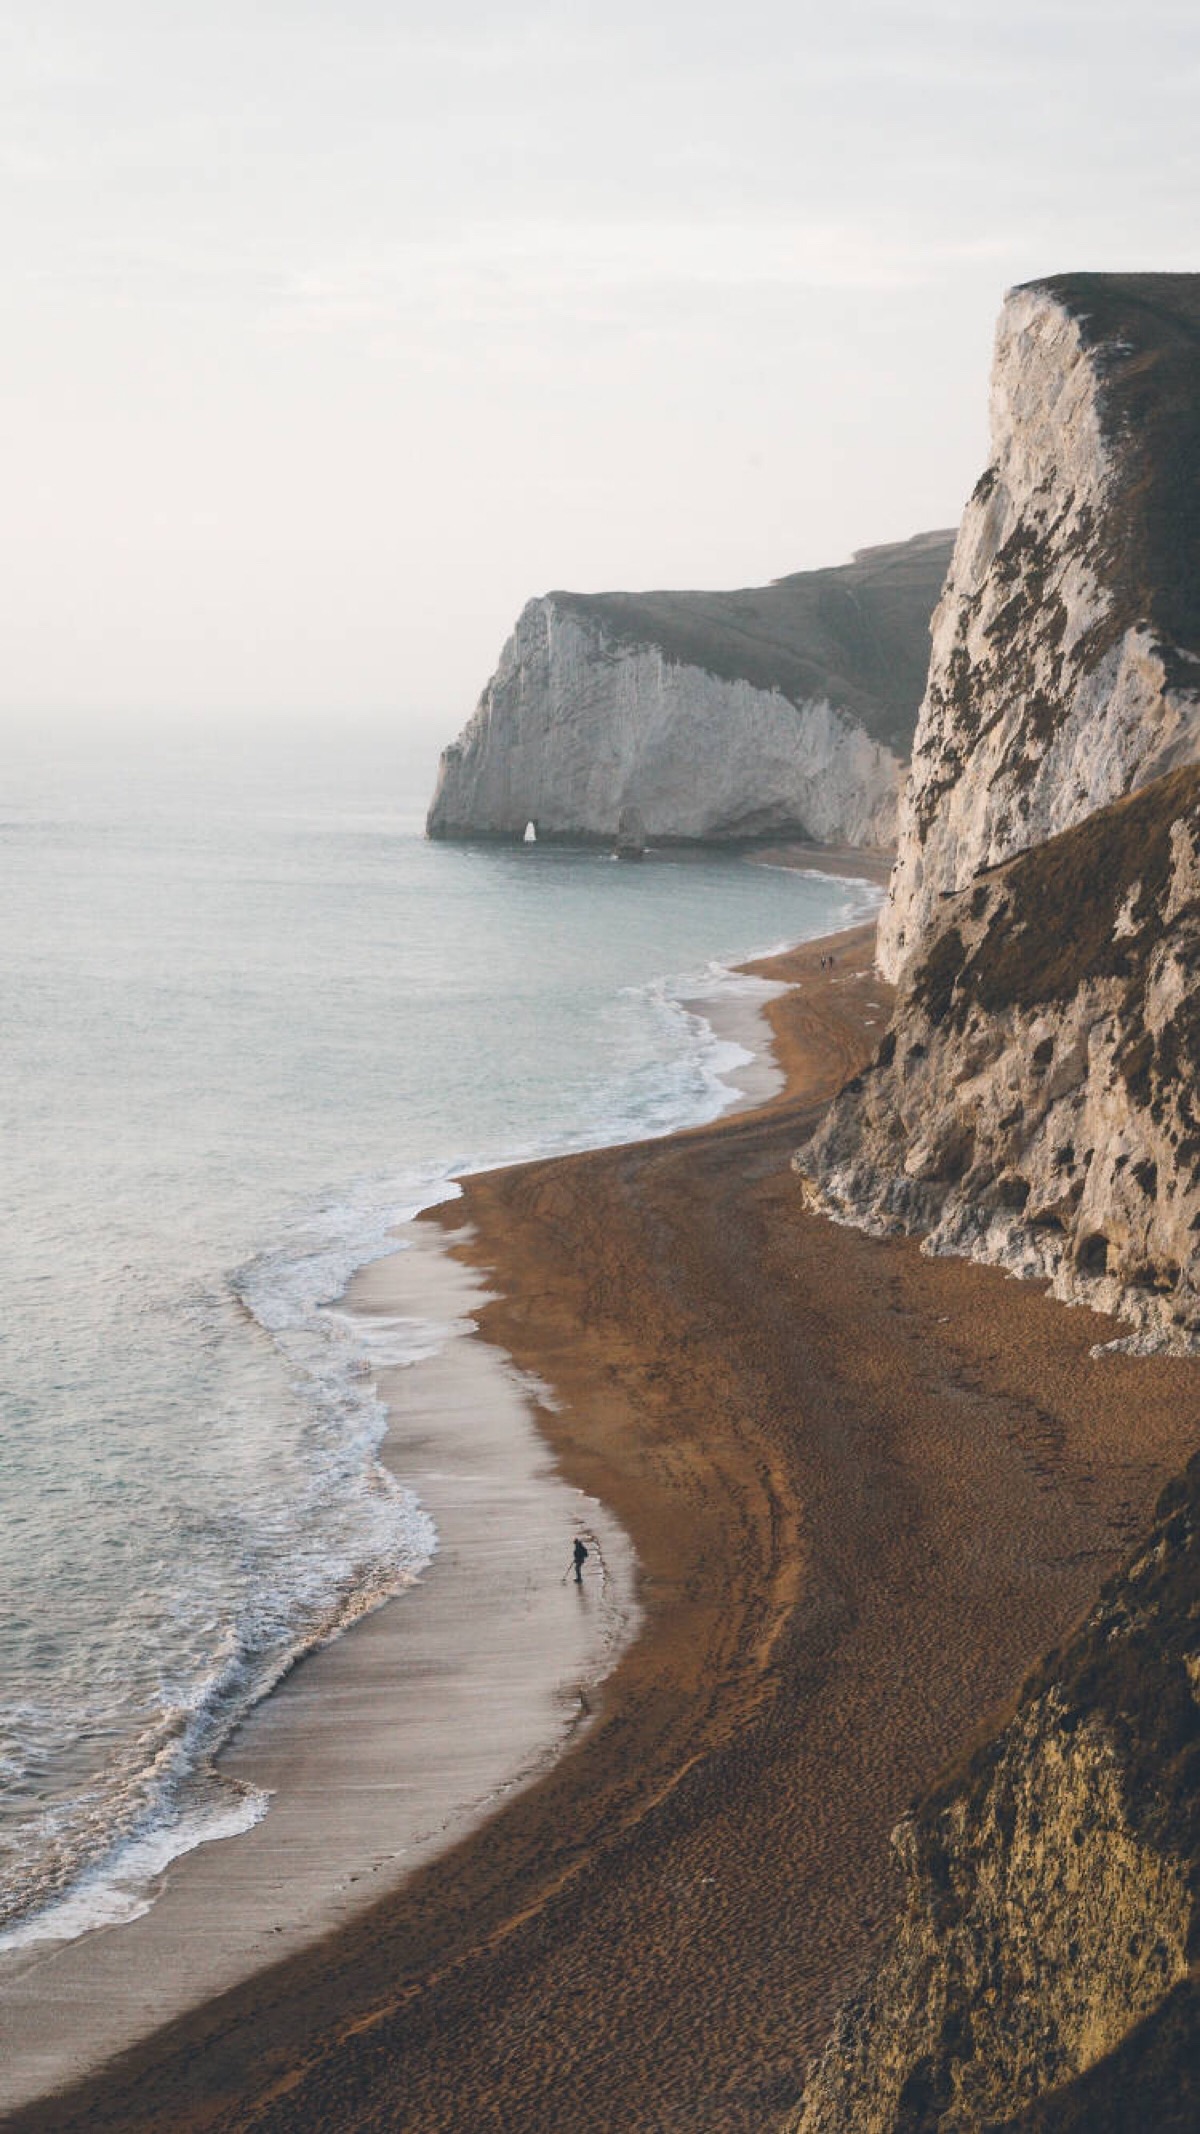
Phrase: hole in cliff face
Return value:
(924, 2097)
(530, 837)
(1159, 1275)
(1013, 1193)
(1092, 1254)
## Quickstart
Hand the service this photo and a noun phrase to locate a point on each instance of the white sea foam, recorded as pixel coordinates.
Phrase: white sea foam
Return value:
(114, 1891)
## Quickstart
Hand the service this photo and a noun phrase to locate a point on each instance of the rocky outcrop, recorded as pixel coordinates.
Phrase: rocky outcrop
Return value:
(1035, 1100)
(1050, 1916)
(783, 710)
(1065, 665)
(1035, 1103)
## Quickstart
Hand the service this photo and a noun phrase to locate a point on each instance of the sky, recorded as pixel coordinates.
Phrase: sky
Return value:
(334, 330)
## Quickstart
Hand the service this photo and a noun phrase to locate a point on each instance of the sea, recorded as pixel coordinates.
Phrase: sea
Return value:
(252, 1022)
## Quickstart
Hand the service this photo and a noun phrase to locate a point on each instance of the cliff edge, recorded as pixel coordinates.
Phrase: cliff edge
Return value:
(1035, 1101)
(786, 709)
(1065, 667)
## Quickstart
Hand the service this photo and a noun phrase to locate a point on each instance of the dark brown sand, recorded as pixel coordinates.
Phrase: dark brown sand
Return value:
(866, 1489)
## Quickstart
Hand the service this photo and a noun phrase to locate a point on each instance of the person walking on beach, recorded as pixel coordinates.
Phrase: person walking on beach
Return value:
(580, 1560)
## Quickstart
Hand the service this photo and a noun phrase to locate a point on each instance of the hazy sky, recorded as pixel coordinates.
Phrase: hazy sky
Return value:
(332, 330)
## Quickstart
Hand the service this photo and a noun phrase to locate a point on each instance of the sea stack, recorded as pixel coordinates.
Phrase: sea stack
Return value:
(781, 710)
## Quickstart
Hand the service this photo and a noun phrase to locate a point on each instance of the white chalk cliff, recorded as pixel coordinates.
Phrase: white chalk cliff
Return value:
(1060, 677)
(786, 709)
(1036, 1101)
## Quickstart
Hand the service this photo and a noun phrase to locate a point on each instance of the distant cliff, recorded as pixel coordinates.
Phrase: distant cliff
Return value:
(782, 710)
(1065, 668)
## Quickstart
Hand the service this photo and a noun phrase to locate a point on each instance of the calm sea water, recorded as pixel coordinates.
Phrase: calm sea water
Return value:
(251, 1019)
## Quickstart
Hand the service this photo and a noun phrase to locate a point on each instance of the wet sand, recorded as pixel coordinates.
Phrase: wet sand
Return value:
(858, 863)
(865, 1491)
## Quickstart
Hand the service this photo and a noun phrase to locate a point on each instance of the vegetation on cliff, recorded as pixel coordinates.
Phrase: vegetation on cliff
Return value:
(1035, 1100)
(1044, 1971)
(780, 710)
(858, 631)
(1035, 1103)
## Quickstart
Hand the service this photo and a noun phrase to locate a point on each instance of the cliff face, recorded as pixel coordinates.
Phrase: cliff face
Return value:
(1035, 1101)
(1050, 1917)
(785, 709)
(1065, 665)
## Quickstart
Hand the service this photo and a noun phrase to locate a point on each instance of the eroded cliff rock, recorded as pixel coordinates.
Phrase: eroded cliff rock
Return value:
(1050, 1915)
(1065, 665)
(782, 710)
(1035, 1102)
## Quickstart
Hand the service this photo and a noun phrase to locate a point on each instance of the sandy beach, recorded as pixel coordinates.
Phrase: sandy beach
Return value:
(864, 1490)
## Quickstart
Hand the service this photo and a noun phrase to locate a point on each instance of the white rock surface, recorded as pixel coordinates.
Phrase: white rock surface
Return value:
(577, 726)
(1046, 698)
(1035, 1102)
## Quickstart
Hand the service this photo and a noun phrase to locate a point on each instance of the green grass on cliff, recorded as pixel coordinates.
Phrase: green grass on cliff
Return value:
(857, 634)
(1053, 911)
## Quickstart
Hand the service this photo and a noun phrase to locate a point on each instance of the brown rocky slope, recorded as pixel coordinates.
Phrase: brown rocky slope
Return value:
(1044, 1974)
(1034, 1102)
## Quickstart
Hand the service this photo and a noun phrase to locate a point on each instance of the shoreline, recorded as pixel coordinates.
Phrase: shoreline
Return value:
(463, 1433)
(476, 1668)
(865, 1491)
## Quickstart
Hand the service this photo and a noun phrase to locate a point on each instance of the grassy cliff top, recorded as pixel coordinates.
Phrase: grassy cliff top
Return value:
(1052, 912)
(857, 634)
(1129, 307)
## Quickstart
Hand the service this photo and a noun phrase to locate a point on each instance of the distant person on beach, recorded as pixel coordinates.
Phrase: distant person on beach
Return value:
(580, 1560)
